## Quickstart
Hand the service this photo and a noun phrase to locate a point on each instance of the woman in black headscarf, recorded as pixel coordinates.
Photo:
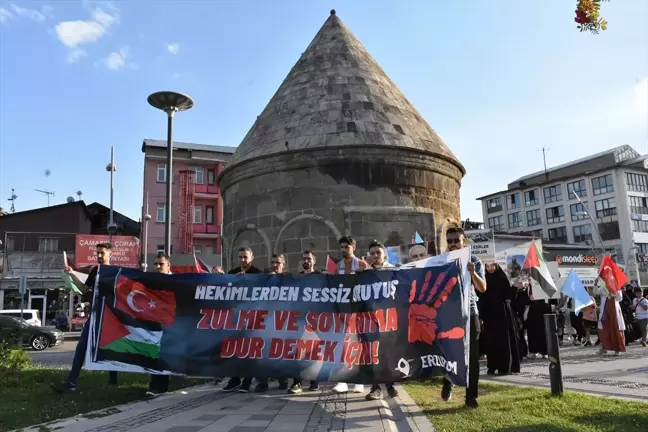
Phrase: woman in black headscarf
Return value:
(500, 323)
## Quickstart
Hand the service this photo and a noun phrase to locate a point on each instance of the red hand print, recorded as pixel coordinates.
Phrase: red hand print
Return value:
(423, 310)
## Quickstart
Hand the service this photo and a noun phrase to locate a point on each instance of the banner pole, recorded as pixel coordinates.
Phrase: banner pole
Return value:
(553, 351)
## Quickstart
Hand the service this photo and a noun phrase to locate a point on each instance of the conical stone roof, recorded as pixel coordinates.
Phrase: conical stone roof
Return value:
(337, 95)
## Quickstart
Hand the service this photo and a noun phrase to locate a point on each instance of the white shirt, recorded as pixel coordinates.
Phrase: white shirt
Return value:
(640, 312)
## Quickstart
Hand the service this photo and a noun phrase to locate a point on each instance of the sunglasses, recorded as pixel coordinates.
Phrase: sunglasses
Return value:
(453, 241)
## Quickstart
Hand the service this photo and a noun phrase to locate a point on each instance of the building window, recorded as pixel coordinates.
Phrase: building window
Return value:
(531, 198)
(47, 244)
(639, 226)
(11, 244)
(494, 205)
(533, 217)
(211, 177)
(513, 201)
(602, 185)
(537, 233)
(638, 205)
(160, 212)
(200, 174)
(552, 194)
(555, 214)
(579, 187)
(582, 233)
(605, 207)
(577, 211)
(515, 220)
(197, 215)
(637, 182)
(161, 173)
(197, 250)
(558, 234)
(160, 248)
(209, 215)
(642, 248)
(496, 223)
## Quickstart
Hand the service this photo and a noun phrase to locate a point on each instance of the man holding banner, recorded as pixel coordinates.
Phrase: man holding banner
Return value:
(456, 239)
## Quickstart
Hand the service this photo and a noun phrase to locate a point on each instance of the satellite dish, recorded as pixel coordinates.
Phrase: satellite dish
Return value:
(70, 199)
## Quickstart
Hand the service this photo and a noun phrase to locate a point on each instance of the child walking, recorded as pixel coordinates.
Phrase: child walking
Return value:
(640, 307)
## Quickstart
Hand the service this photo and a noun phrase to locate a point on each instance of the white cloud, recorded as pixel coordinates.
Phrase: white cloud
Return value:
(118, 59)
(173, 48)
(20, 12)
(641, 97)
(31, 14)
(5, 15)
(75, 54)
(80, 32)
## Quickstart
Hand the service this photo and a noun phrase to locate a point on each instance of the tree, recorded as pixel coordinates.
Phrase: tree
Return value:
(588, 16)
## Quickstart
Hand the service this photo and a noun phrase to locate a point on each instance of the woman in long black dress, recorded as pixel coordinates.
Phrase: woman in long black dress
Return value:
(500, 323)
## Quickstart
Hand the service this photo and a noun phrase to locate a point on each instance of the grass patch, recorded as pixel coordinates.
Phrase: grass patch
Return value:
(512, 408)
(27, 398)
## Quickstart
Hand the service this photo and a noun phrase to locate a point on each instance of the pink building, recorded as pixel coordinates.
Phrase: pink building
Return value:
(205, 205)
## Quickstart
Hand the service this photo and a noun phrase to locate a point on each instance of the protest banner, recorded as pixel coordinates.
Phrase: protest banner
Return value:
(371, 327)
(482, 243)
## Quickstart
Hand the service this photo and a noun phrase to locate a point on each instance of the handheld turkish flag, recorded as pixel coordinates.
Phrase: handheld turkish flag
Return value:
(144, 303)
(612, 275)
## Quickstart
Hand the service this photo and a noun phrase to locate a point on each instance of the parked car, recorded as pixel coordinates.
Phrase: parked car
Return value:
(36, 337)
(31, 316)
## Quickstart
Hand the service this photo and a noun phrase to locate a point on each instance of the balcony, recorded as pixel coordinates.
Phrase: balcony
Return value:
(206, 231)
(207, 191)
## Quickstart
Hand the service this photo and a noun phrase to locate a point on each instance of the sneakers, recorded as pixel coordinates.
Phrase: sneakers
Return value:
(295, 388)
(283, 384)
(374, 394)
(472, 403)
(341, 388)
(358, 388)
(261, 387)
(150, 395)
(446, 391)
(644, 344)
(245, 387)
(391, 391)
(64, 387)
(232, 385)
(314, 386)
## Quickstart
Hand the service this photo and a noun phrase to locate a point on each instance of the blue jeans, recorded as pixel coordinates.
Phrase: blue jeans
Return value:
(79, 358)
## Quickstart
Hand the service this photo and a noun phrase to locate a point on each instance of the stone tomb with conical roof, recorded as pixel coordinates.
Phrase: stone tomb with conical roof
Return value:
(338, 150)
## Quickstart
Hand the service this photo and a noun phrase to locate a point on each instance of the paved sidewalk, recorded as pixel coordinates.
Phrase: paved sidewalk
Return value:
(625, 376)
(207, 409)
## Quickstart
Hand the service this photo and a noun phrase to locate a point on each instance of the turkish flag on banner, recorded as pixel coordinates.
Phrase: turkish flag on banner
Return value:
(612, 275)
(144, 303)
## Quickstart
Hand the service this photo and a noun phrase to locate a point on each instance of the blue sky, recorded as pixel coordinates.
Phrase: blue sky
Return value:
(497, 79)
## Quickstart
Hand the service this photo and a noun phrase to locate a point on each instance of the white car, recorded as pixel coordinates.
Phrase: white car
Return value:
(30, 316)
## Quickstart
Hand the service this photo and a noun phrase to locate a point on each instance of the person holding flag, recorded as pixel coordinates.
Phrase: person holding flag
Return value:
(611, 325)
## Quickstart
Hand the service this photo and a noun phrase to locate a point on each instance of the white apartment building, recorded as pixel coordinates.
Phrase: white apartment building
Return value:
(613, 185)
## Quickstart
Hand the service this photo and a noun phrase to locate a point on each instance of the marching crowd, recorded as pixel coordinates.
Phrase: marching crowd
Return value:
(506, 322)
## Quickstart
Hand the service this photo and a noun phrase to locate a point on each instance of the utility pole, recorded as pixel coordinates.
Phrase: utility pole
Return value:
(544, 151)
(13, 201)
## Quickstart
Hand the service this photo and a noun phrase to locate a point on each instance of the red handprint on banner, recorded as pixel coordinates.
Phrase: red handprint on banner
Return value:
(423, 310)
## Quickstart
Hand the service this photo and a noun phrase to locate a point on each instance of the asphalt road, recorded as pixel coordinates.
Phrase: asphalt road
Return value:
(59, 356)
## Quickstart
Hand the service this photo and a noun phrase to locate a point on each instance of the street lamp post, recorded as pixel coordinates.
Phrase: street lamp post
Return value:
(112, 227)
(170, 103)
(589, 216)
(147, 218)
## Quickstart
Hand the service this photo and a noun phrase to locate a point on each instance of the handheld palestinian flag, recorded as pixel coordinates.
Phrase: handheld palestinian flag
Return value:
(81, 273)
(331, 265)
(537, 269)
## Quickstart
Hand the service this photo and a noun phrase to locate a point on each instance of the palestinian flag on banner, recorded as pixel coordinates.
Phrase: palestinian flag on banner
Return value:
(331, 265)
(127, 340)
(536, 268)
(81, 273)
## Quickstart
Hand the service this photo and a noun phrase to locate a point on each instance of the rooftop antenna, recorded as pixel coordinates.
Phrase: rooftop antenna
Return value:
(79, 193)
(46, 192)
(544, 151)
(12, 199)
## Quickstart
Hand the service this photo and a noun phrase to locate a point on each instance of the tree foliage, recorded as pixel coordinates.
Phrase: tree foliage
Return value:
(588, 16)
